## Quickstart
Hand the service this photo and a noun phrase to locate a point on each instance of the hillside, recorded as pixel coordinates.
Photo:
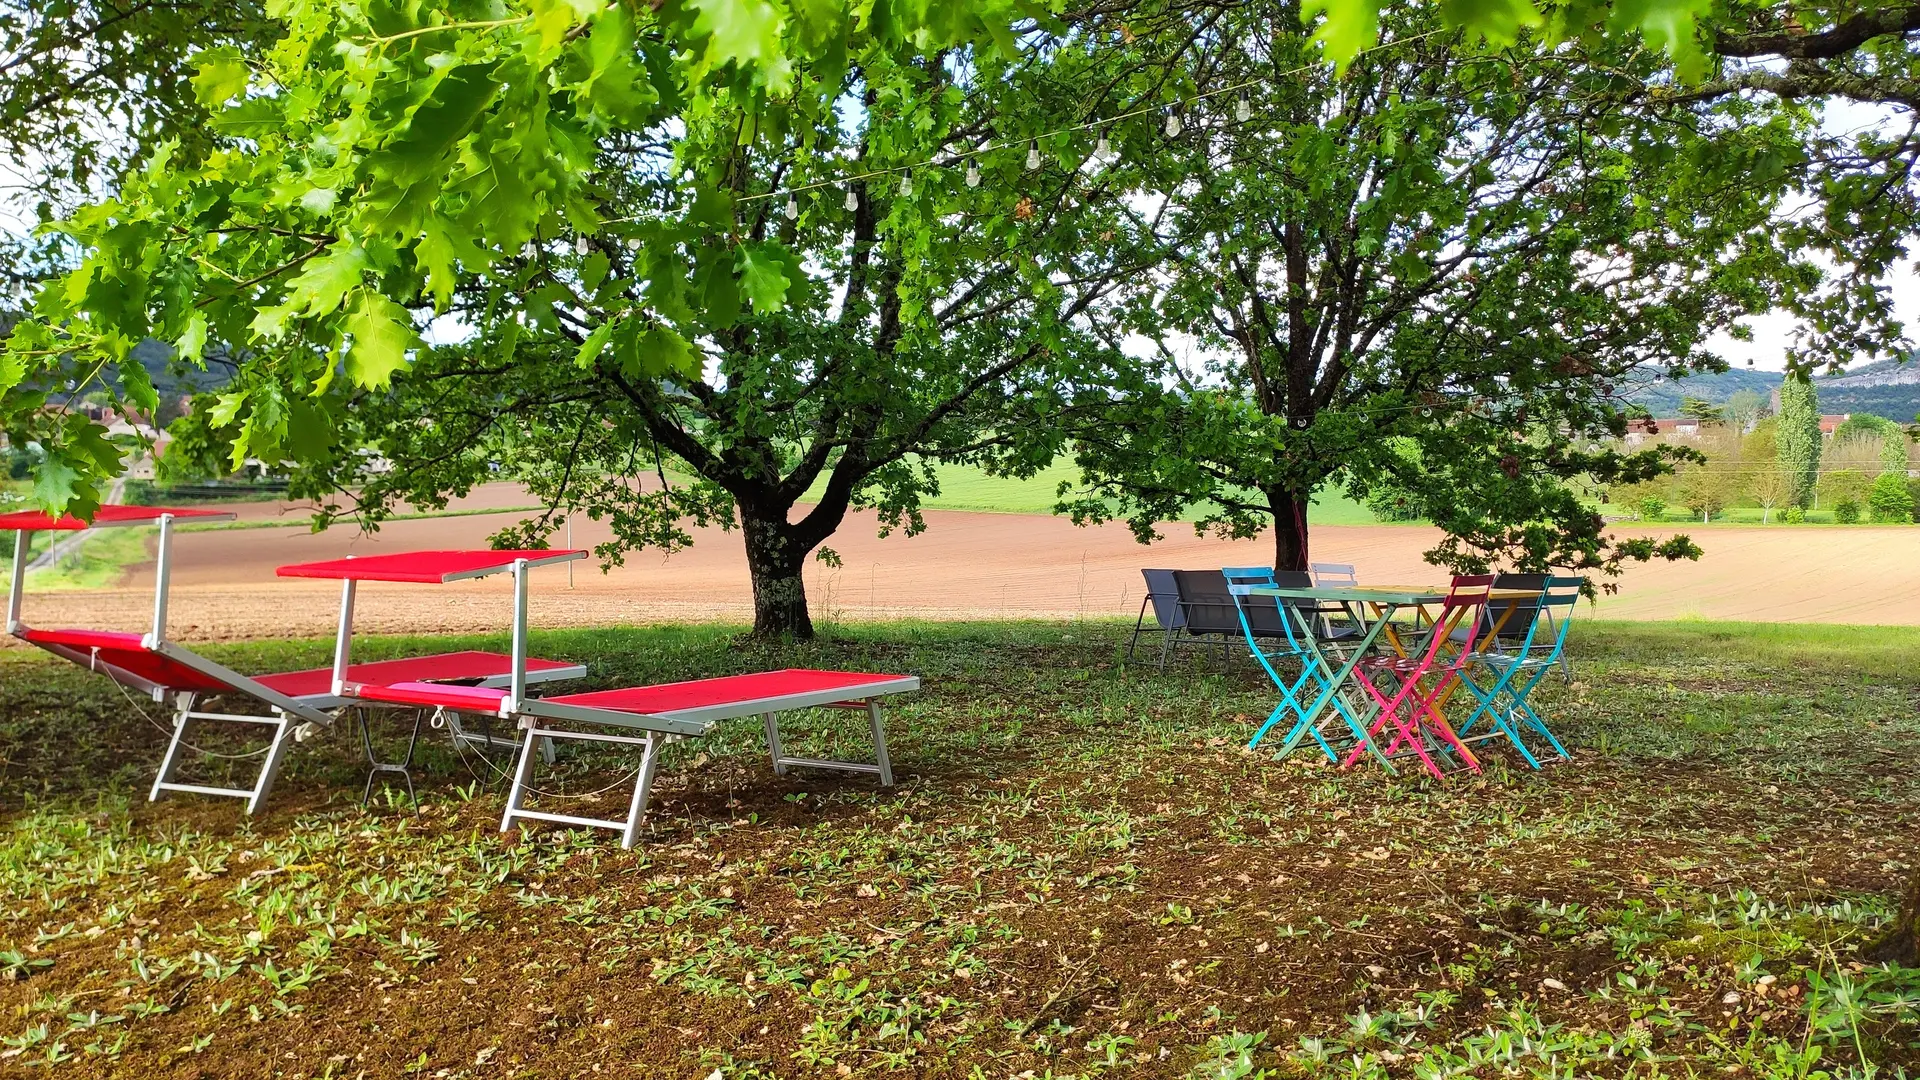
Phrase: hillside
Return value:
(1886, 388)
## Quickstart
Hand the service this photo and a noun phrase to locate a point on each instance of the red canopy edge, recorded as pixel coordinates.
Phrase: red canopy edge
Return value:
(40, 521)
(428, 567)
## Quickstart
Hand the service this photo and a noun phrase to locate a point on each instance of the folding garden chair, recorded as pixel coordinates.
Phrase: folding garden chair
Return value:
(1420, 682)
(1516, 672)
(1287, 625)
(1531, 582)
(1163, 598)
(1208, 614)
(1335, 575)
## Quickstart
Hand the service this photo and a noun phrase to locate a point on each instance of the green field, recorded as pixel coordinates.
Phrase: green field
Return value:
(1080, 874)
(967, 487)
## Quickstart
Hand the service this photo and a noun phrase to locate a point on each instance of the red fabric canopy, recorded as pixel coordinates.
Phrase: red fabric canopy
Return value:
(432, 567)
(40, 521)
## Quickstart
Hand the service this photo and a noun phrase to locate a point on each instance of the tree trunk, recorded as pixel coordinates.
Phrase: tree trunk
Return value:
(1902, 943)
(1289, 530)
(775, 556)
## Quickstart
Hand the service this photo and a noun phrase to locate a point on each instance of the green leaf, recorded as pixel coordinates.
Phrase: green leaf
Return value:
(56, 485)
(222, 75)
(1498, 22)
(596, 342)
(1671, 25)
(84, 436)
(382, 333)
(137, 386)
(443, 248)
(744, 32)
(446, 118)
(1349, 28)
(662, 351)
(763, 276)
(225, 407)
(191, 345)
(325, 280)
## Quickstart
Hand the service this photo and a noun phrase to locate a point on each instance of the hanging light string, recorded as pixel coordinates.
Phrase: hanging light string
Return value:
(1174, 125)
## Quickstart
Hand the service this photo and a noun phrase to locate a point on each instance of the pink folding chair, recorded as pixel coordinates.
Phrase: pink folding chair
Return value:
(1422, 682)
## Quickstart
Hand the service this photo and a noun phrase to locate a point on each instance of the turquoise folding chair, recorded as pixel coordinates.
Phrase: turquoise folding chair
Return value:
(1275, 625)
(1504, 703)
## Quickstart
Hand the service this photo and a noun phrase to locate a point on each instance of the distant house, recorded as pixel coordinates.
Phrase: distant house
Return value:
(1830, 423)
(1672, 427)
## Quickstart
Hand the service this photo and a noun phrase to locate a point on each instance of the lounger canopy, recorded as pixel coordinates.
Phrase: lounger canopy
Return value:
(106, 517)
(426, 567)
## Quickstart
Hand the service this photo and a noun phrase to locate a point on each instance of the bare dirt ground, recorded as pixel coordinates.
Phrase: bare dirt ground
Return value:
(966, 565)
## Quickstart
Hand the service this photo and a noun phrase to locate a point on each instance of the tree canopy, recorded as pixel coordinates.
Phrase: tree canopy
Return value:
(1470, 250)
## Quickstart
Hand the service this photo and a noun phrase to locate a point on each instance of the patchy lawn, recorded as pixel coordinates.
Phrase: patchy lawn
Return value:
(1080, 874)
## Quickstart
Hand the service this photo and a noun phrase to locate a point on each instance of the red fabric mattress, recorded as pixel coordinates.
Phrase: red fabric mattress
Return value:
(727, 690)
(125, 652)
(470, 666)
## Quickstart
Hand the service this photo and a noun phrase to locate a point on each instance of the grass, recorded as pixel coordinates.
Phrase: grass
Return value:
(98, 563)
(1741, 515)
(1080, 874)
(966, 487)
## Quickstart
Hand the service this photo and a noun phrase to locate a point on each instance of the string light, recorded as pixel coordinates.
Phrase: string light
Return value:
(1174, 126)
(1102, 152)
(1242, 111)
(793, 208)
(853, 200)
(580, 244)
(973, 174)
(906, 185)
(1033, 155)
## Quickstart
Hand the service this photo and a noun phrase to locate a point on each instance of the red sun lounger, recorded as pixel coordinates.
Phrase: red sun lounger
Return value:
(163, 671)
(682, 709)
(438, 568)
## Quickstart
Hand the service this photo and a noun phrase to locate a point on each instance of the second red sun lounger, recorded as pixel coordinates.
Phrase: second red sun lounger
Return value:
(681, 709)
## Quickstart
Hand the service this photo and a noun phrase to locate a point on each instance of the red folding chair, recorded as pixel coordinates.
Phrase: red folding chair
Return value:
(296, 702)
(1420, 683)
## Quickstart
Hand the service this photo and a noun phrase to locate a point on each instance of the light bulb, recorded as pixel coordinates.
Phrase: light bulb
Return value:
(973, 174)
(1174, 126)
(580, 244)
(1033, 156)
(527, 252)
(853, 200)
(906, 185)
(1242, 111)
(1102, 152)
(793, 208)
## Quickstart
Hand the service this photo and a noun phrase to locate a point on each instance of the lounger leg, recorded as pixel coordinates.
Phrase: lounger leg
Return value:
(880, 742)
(183, 706)
(522, 771)
(772, 724)
(642, 787)
(282, 734)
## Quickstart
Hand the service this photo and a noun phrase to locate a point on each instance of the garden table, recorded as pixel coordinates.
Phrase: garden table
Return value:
(1373, 609)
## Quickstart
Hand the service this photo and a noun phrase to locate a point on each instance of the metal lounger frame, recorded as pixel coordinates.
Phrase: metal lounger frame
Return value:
(687, 723)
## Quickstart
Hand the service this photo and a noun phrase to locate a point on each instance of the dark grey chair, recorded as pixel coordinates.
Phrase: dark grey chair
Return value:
(1168, 618)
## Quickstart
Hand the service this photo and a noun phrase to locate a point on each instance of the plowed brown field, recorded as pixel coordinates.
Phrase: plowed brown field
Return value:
(966, 565)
